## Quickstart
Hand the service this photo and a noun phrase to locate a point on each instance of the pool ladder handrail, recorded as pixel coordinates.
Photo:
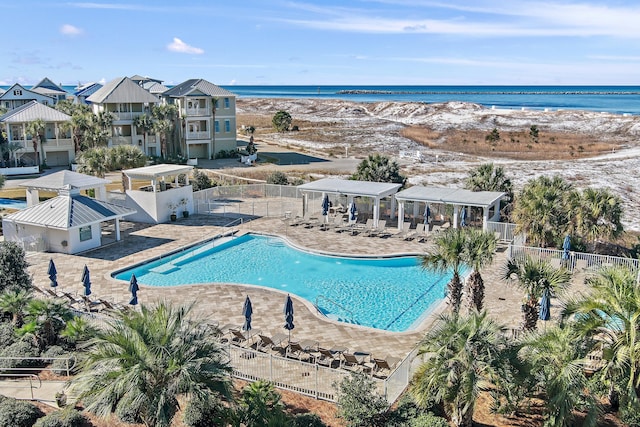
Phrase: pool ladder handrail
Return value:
(351, 320)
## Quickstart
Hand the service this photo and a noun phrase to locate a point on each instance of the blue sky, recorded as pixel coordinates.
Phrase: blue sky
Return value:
(323, 42)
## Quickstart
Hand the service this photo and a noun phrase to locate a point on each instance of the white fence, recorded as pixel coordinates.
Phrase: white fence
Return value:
(504, 229)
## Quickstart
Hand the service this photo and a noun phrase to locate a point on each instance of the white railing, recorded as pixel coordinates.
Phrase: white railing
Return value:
(576, 261)
(204, 111)
(198, 135)
(505, 230)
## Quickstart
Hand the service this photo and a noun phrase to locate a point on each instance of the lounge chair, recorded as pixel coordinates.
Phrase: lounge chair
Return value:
(114, 306)
(299, 220)
(271, 342)
(353, 363)
(243, 338)
(417, 232)
(376, 231)
(71, 298)
(326, 358)
(363, 228)
(404, 231)
(334, 222)
(296, 351)
(382, 368)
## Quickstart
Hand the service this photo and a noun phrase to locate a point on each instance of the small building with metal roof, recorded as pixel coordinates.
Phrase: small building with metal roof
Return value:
(69, 223)
(63, 180)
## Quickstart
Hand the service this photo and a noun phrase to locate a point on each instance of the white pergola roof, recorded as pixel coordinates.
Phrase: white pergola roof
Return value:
(156, 171)
(350, 188)
(64, 179)
(450, 196)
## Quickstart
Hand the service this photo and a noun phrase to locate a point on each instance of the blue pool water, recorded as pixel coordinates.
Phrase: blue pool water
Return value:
(12, 204)
(384, 293)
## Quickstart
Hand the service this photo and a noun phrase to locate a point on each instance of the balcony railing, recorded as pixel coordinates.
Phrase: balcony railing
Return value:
(28, 144)
(204, 111)
(199, 135)
(128, 115)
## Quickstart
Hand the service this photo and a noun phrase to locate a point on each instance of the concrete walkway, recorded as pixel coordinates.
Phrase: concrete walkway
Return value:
(42, 391)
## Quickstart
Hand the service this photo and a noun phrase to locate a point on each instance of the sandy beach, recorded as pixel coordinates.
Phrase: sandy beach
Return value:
(337, 128)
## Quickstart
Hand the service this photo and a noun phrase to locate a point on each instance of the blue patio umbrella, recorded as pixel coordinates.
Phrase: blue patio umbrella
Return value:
(247, 311)
(53, 274)
(325, 205)
(463, 217)
(86, 281)
(133, 288)
(545, 306)
(352, 211)
(427, 214)
(288, 315)
(566, 247)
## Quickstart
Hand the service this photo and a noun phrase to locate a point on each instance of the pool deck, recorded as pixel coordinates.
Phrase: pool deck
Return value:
(223, 303)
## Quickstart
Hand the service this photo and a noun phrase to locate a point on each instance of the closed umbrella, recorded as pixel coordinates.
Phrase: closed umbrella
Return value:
(247, 311)
(288, 315)
(86, 281)
(53, 275)
(133, 288)
(352, 212)
(325, 205)
(463, 217)
(545, 306)
(566, 247)
(427, 215)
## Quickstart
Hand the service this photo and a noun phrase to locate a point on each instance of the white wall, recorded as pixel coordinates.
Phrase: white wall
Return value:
(154, 207)
(54, 237)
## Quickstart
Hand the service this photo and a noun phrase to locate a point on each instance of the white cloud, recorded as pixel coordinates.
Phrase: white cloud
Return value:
(232, 82)
(181, 47)
(70, 30)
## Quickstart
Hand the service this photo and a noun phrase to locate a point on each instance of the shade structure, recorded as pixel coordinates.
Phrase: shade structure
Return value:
(566, 247)
(463, 217)
(352, 212)
(133, 288)
(247, 311)
(545, 306)
(288, 315)
(325, 205)
(427, 214)
(53, 274)
(86, 281)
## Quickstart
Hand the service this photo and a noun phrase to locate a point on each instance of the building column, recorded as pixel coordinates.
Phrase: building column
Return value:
(485, 218)
(376, 211)
(393, 207)
(117, 229)
(456, 209)
(33, 197)
(400, 214)
(101, 193)
(416, 210)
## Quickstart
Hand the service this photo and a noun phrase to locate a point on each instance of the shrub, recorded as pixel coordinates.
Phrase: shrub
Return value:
(226, 154)
(66, 418)
(281, 121)
(59, 366)
(205, 413)
(18, 413)
(13, 267)
(428, 420)
(25, 348)
(358, 403)
(278, 177)
(307, 420)
(201, 181)
(7, 335)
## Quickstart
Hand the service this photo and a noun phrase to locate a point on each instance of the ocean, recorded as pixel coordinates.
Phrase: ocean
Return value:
(612, 99)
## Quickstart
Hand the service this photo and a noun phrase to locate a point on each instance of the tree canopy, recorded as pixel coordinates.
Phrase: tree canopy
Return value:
(281, 121)
(379, 168)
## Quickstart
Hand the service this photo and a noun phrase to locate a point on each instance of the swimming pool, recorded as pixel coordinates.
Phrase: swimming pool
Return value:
(392, 294)
(12, 203)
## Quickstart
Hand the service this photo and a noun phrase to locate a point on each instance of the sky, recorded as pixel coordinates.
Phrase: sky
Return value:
(323, 42)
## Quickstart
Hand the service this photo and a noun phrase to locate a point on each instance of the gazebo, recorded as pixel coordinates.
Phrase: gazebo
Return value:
(489, 201)
(156, 202)
(64, 180)
(351, 189)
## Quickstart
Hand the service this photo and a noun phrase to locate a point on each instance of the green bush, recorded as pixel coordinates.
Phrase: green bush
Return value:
(277, 177)
(25, 348)
(201, 181)
(226, 154)
(13, 267)
(59, 366)
(307, 420)
(358, 403)
(18, 413)
(205, 413)
(428, 420)
(7, 335)
(66, 418)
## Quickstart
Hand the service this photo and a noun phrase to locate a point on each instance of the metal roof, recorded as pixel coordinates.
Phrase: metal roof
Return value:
(48, 84)
(65, 179)
(351, 188)
(197, 85)
(122, 90)
(34, 110)
(69, 211)
(156, 171)
(451, 196)
(154, 87)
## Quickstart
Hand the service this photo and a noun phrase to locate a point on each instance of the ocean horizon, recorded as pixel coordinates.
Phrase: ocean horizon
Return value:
(610, 99)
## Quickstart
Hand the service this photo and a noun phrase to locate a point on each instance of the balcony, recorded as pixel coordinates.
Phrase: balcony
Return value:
(130, 115)
(198, 135)
(203, 111)
(27, 145)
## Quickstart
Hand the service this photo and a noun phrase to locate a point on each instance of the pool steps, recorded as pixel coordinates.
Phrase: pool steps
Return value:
(175, 264)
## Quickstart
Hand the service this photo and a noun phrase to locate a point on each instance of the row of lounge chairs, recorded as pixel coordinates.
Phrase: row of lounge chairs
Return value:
(82, 302)
(309, 351)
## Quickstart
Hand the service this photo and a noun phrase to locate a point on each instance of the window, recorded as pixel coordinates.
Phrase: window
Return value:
(17, 92)
(85, 233)
(215, 103)
(226, 103)
(227, 126)
(217, 126)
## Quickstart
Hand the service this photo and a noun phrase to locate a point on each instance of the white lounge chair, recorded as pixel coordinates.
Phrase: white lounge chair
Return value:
(404, 231)
(376, 231)
(418, 232)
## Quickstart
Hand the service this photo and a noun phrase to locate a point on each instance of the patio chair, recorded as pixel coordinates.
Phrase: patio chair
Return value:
(417, 232)
(243, 338)
(382, 368)
(363, 228)
(353, 363)
(273, 343)
(296, 351)
(72, 298)
(326, 358)
(403, 232)
(299, 220)
(376, 231)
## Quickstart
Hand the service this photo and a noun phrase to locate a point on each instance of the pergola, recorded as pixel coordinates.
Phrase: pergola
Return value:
(157, 174)
(351, 189)
(63, 180)
(451, 196)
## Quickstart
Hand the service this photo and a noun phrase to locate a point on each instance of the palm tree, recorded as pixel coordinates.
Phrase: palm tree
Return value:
(81, 118)
(35, 128)
(164, 115)
(104, 119)
(142, 362)
(609, 313)
(479, 252)
(462, 359)
(599, 215)
(535, 277)
(145, 124)
(543, 210)
(378, 168)
(449, 255)
(260, 405)
(96, 136)
(555, 358)
(93, 162)
(47, 317)
(15, 302)
(488, 177)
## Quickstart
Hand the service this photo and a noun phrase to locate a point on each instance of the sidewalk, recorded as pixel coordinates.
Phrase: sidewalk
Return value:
(43, 391)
